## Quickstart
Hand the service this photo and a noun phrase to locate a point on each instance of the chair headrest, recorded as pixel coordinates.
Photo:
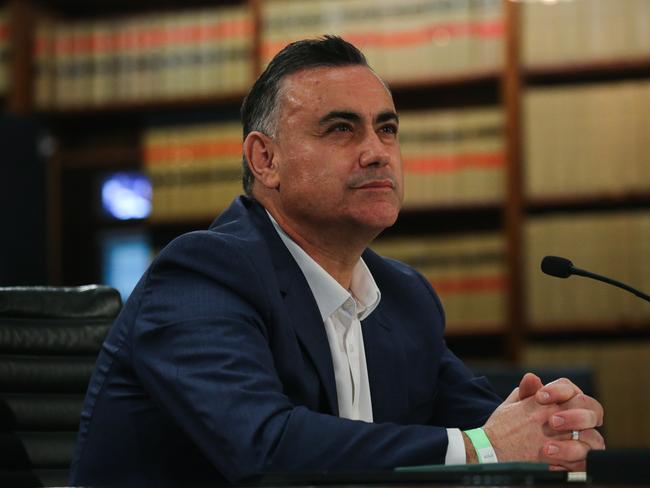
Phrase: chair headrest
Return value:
(88, 301)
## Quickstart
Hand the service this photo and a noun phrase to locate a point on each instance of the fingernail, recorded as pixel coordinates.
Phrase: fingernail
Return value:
(552, 449)
(544, 395)
(556, 420)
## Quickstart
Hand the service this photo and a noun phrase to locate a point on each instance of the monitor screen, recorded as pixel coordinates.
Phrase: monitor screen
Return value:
(125, 256)
(126, 195)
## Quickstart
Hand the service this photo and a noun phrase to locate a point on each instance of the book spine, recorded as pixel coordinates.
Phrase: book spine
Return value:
(616, 249)
(467, 272)
(195, 169)
(598, 139)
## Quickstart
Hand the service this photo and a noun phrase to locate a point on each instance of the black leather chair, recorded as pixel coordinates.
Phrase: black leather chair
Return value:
(49, 341)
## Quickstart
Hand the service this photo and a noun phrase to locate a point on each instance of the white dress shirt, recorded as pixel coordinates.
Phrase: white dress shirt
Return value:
(342, 312)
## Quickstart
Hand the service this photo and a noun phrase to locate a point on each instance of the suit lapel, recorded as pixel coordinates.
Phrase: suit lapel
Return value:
(384, 356)
(308, 324)
(300, 306)
(384, 359)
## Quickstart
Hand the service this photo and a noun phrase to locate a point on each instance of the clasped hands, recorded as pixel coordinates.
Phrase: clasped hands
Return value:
(536, 422)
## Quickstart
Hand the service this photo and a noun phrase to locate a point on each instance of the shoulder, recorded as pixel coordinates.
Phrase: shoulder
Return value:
(224, 270)
(402, 284)
(389, 270)
(235, 241)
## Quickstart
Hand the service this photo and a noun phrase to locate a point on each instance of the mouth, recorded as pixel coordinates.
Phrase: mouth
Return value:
(382, 184)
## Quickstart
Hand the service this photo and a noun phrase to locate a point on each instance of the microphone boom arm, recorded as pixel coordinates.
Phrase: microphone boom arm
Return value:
(610, 281)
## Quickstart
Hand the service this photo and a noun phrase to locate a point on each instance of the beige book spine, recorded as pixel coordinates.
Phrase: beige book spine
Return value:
(639, 13)
(487, 30)
(622, 381)
(44, 60)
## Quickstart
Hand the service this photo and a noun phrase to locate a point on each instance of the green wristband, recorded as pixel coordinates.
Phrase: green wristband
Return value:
(482, 446)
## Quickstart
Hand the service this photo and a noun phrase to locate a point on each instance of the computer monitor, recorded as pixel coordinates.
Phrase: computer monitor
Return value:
(125, 195)
(125, 256)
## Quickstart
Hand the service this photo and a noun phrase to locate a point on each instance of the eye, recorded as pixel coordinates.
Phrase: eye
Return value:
(389, 129)
(340, 127)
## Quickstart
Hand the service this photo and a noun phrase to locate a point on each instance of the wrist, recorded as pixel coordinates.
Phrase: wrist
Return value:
(470, 452)
(480, 443)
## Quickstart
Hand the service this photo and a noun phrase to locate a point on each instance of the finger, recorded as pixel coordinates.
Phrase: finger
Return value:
(562, 452)
(585, 402)
(557, 463)
(592, 438)
(558, 391)
(513, 397)
(574, 419)
(579, 466)
(529, 385)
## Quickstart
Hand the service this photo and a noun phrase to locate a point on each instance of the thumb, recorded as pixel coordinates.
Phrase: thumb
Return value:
(529, 385)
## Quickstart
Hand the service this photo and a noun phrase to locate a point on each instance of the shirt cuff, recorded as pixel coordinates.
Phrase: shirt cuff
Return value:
(455, 448)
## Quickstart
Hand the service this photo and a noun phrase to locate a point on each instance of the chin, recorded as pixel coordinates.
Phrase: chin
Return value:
(379, 217)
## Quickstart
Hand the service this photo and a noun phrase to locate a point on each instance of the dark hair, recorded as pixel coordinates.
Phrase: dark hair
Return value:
(258, 111)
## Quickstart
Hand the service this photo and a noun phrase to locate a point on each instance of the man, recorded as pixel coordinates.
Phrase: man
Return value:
(277, 342)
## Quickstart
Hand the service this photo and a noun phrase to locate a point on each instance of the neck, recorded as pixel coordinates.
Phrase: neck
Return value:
(336, 250)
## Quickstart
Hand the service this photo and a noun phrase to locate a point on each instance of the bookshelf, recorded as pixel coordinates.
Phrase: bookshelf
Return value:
(93, 136)
(597, 211)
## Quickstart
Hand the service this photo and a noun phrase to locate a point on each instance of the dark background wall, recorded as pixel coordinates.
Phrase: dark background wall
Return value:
(22, 203)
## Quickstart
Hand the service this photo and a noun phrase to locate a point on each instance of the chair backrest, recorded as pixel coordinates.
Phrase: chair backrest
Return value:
(49, 341)
(504, 378)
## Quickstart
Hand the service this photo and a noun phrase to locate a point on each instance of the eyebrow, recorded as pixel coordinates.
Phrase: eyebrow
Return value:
(355, 117)
(386, 116)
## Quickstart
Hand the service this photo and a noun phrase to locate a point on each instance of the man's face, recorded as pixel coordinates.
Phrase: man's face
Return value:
(337, 152)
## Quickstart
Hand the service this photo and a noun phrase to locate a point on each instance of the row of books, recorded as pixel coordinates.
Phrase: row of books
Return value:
(450, 157)
(210, 51)
(622, 380)
(4, 50)
(568, 31)
(453, 156)
(467, 271)
(613, 244)
(586, 140)
(148, 56)
(457, 157)
(405, 40)
(195, 170)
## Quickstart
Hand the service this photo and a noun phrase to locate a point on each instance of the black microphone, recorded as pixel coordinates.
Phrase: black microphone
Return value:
(563, 268)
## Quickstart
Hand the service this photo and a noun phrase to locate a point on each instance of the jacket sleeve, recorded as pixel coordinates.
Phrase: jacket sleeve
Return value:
(463, 400)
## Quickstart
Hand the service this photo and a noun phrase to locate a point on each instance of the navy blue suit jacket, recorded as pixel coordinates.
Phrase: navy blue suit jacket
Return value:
(218, 368)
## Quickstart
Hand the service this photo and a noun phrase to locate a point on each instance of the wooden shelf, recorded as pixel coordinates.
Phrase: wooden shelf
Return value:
(468, 89)
(86, 9)
(449, 219)
(460, 207)
(604, 331)
(457, 81)
(460, 84)
(487, 347)
(469, 331)
(106, 157)
(180, 223)
(588, 71)
(595, 202)
(130, 108)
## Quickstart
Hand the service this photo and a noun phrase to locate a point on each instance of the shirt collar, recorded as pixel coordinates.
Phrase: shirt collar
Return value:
(328, 292)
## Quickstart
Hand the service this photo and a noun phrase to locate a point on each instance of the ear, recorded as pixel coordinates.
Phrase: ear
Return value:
(259, 152)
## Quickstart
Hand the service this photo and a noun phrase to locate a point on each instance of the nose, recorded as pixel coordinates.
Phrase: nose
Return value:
(374, 151)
